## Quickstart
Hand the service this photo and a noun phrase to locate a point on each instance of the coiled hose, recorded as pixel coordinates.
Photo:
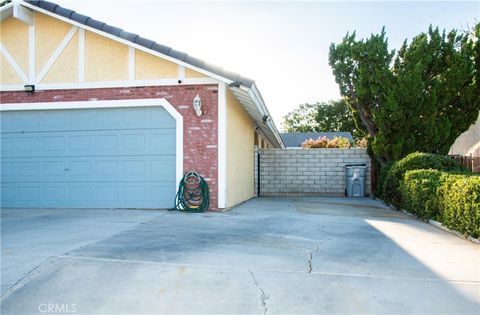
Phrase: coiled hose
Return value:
(193, 194)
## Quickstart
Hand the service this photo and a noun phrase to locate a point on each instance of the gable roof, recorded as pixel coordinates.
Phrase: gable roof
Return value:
(137, 39)
(295, 139)
(243, 89)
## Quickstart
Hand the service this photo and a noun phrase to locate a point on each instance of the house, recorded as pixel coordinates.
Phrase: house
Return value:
(468, 143)
(93, 116)
(295, 139)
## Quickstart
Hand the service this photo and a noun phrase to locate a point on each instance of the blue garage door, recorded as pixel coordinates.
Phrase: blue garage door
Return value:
(88, 158)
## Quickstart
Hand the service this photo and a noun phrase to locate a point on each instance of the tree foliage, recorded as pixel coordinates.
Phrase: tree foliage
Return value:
(420, 98)
(331, 116)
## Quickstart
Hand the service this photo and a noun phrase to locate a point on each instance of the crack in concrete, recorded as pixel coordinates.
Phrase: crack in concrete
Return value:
(310, 256)
(263, 295)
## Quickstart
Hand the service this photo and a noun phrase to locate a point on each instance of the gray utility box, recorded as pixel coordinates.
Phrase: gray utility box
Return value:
(355, 178)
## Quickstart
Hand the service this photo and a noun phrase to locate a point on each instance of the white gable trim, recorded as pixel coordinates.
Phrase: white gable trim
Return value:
(23, 14)
(58, 51)
(109, 84)
(115, 104)
(222, 145)
(31, 52)
(6, 11)
(131, 63)
(13, 63)
(126, 42)
(81, 55)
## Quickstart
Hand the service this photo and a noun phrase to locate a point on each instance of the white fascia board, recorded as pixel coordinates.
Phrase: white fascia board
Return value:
(257, 99)
(245, 93)
(222, 146)
(270, 123)
(128, 43)
(110, 84)
(6, 11)
(23, 14)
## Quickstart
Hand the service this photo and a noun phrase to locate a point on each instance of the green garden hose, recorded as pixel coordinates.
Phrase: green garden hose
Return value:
(193, 194)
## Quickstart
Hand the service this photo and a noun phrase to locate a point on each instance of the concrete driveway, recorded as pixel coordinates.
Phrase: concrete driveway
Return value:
(267, 256)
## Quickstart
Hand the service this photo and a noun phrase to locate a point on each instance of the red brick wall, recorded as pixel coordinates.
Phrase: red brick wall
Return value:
(200, 133)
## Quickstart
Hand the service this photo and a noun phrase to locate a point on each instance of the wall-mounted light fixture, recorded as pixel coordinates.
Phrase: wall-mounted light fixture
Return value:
(197, 105)
(29, 88)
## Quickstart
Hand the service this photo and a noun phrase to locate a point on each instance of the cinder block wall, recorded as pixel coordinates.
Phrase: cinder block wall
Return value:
(304, 172)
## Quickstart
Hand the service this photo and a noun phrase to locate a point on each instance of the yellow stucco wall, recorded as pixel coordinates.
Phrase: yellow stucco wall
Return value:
(65, 68)
(49, 33)
(14, 37)
(8, 75)
(105, 59)
(240, 153)
(189, 73)
(148, 66)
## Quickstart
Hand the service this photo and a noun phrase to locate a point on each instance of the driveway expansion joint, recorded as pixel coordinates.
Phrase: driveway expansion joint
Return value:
(263, 295)
(20, 283)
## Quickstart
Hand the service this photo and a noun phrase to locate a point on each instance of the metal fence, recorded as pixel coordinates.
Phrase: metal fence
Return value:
(470, 162)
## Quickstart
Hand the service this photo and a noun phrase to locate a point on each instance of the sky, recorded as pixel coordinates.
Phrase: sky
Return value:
(283, 46)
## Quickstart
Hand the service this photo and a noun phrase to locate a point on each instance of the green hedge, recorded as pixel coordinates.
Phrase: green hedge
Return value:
(419, 192)
(414, 161)
(381, 177)
(451, 198)
(459, 204)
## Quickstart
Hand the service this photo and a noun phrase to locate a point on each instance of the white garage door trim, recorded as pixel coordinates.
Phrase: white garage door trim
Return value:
(160, 102)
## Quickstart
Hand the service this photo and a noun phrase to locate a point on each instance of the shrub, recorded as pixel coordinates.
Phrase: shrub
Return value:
(362, 143)
(419, 192)
(381, 177)
(414, 161)
(459, 204)
(324, 142)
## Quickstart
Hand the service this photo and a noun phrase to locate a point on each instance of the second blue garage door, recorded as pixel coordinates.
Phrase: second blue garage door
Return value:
(88, 158)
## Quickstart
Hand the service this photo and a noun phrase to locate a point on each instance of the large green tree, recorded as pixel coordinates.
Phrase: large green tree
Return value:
(420, 98)
(331, 116)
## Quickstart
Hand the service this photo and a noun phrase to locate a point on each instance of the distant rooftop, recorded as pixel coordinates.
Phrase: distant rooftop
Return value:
(295, 139)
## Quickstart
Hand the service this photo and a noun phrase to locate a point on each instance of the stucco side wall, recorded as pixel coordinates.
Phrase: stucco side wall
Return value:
(64, 70)
(14, 37)
(49, 33)
(189, 73)
(105, 60)
(8, 75)
(240, 153)
(151, 67)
